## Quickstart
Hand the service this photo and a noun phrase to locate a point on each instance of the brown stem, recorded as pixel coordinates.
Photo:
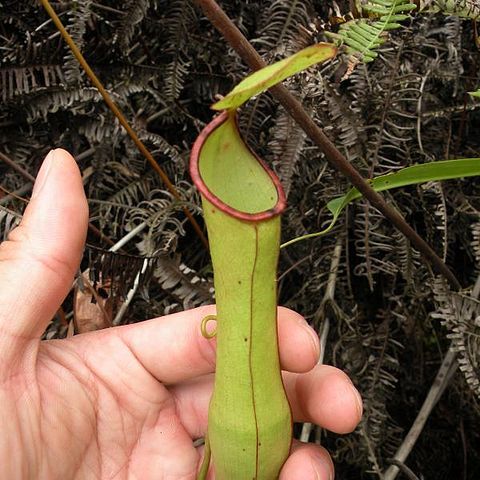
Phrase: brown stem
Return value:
(121, 118)
(245, 50)
(17, 168)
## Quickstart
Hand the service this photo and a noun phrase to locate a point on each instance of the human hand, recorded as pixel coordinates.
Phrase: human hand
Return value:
(126, 402)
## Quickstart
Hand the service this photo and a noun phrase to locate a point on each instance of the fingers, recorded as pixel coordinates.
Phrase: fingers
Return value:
(324, 396)
(307, 462)
(173, 349)
(192, 399)
(298, 342)
(40, 257)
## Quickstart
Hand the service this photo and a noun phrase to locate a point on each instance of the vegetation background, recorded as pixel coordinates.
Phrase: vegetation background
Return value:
(385, 317)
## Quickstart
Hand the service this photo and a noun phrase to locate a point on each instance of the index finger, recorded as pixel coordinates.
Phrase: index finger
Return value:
(173, 349)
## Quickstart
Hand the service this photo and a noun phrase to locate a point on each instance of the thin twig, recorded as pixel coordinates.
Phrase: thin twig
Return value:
(100, 235)
(405, 470)
(245, 50)
(121, 118)
(131, 293)
(17, 167)
(444, 375)
(85, 154)
(307, 427)
(16, 195)
(11, 212)
(328, 297)
(124, 240)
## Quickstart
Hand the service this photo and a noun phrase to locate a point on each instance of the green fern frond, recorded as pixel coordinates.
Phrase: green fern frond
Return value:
(281, 26)
(458, 8)
(362, 37)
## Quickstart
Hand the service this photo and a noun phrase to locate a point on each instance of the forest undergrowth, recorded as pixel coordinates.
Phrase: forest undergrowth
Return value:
(385, 316)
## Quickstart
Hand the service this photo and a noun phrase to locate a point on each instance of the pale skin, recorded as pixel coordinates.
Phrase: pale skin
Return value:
(127, 402)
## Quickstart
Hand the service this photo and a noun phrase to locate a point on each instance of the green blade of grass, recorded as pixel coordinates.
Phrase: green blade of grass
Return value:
(426, 172)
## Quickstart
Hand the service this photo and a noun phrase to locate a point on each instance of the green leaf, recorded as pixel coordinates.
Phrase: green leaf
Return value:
(476, 93)
(363, 36)
(269, 76)
(426, 172)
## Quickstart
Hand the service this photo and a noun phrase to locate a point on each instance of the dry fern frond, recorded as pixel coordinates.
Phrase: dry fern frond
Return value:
(181, 15)
(8, 221)
(460, 314)
(282, 27)
(135, 11)
(286, 144)
(77, 18)
(189, 288)
(370, 352)
(21, 81)
(116, 272)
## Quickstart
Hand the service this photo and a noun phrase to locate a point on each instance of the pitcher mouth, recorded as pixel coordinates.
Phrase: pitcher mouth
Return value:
(270, 181)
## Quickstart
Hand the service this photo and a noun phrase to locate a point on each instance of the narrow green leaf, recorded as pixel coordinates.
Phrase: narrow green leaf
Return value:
(367, 56)
(426, 172)
(351, 42)
(476, 93)
(269, 76)
(386, 3)
(376, 10)
(366, 31)
(366, 42)
(391, 26)
(394, 18)
(405, 7)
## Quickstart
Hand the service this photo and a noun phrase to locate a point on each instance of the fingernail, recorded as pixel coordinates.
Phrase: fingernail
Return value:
(43, 174)
(314, 339)
(358, 401)
(322, 467)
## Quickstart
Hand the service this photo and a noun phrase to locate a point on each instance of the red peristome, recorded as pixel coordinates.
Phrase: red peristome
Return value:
(212, 198)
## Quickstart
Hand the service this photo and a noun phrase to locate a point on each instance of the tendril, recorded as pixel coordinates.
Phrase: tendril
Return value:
(203, 326)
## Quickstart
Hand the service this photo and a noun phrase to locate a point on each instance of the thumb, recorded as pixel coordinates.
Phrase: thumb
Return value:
(40, 257)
